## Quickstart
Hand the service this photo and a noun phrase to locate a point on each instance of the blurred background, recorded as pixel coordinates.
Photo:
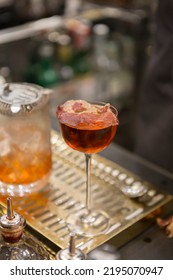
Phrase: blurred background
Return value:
(80, 49)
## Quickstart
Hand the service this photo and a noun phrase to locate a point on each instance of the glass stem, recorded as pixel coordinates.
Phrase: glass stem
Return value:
(88, 181)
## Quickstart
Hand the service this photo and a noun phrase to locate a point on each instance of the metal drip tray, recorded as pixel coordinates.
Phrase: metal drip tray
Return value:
(45, 212)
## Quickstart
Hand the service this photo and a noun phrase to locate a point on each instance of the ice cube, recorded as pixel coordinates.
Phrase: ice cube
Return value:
(4, 147)
(4, 142)
(32, 141)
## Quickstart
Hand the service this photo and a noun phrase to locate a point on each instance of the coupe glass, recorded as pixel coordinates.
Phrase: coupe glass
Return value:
(88, 136)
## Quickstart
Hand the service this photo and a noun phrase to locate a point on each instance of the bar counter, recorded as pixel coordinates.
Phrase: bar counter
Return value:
(151, 243)
(144, 240)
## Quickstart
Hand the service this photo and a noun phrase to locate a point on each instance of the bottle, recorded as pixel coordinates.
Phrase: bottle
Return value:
(121, 72)
(100, 40)
(114, 77)
(100, 60)
(32, 61)
(15, 243)
(80, 32)
(47, 75)
(65, 52)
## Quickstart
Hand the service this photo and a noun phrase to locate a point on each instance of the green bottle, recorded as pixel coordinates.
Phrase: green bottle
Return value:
(47, 72)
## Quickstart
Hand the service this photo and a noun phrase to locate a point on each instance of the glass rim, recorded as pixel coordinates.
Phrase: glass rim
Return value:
(104, 103)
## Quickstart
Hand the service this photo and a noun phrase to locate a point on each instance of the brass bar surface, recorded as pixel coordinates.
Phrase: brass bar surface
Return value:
(64, 193)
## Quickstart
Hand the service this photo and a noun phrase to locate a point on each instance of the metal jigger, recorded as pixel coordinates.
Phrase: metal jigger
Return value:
(71, 253)
(11, 225)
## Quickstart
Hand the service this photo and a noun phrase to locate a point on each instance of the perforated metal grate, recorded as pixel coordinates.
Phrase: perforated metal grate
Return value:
(65, 193)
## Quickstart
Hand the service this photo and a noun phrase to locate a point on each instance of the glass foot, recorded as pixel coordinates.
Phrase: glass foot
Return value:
(88, 224)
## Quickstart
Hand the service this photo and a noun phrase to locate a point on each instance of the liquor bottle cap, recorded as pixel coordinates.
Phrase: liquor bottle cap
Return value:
(11, 224)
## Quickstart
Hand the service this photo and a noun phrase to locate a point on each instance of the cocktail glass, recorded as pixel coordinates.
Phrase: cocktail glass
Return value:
(88, 131)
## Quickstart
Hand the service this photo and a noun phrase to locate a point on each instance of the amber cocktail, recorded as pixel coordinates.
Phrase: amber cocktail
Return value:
(88, 140)
(88, 128)
(25, 157)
